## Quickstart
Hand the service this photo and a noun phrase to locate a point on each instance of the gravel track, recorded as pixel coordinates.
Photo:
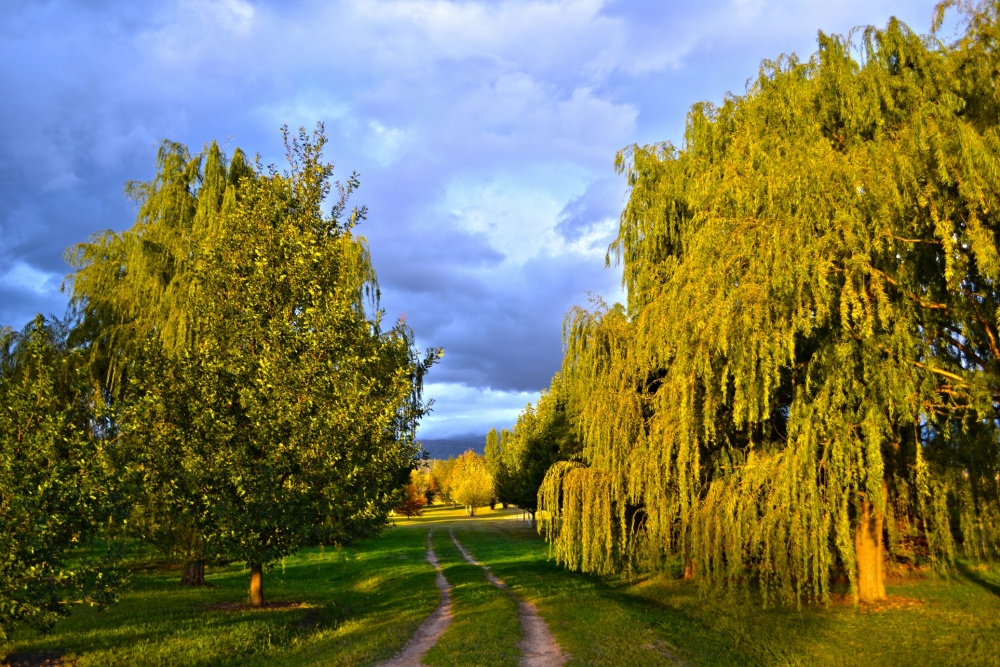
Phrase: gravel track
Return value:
(538, 646)
(433, 626)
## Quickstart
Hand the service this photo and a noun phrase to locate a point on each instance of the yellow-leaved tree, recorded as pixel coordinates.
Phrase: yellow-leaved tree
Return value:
(471, 483)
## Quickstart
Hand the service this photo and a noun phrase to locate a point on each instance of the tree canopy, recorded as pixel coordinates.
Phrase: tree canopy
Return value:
(470, 482)
(542, 435)
(441, 476)
(56, 490)
(261, 399)
(808, 361)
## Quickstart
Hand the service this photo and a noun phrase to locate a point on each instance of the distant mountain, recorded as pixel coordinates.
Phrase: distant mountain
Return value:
(442, 448)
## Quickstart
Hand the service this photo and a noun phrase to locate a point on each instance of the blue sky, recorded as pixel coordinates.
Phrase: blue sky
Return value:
(484, 134)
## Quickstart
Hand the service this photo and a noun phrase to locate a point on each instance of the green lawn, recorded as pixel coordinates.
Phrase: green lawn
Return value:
(662, 621)
(360, 604)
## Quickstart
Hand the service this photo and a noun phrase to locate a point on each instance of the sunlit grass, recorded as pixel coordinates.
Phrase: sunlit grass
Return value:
(659, 620)
(359, 605)
(455, 516)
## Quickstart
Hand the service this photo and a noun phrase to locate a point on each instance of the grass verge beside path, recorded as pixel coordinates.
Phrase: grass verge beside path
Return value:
(359, 605)
(663, 621)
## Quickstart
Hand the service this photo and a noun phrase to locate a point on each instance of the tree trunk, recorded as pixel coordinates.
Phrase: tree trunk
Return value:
(868, 553)
(534, 521)
(689, 569)
(256, 585)
(194, 574)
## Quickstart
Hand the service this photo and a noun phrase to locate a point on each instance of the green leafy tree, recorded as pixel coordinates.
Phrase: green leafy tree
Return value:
(55, 489)
(471, 484)
(807, 372)
(542, 436)
(496, 466)
(292, 410)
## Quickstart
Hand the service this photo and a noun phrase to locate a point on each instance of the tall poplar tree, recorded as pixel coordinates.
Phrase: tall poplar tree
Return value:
(807, 372)
(542, 436)
(496, 466)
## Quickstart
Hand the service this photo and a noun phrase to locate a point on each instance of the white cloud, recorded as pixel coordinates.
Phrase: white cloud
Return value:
(517, 215)
(25, 277)
(306, 108)
(386, 145)
(460, 409)
(544, 34)
(195, 30)
(519, 115)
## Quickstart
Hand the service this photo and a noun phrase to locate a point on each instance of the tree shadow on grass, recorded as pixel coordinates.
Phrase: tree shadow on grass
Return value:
(973, 575)
(35, 659)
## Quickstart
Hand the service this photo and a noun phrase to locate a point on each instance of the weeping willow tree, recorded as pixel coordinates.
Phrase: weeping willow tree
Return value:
(140, 284)
(136, 294)
(807, 373)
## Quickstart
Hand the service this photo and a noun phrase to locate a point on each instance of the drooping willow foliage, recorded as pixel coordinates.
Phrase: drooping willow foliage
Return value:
(809, 357)
(141, 283)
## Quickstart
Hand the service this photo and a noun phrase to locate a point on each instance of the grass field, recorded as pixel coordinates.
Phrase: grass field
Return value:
(360, 604)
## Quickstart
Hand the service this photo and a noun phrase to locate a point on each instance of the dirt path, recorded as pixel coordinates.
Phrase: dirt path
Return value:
(538, 646)
(433, 626)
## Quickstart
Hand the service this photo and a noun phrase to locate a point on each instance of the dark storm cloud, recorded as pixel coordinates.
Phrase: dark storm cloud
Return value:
(436, 266)
(24, 303)
(509, 337)
(70, 135)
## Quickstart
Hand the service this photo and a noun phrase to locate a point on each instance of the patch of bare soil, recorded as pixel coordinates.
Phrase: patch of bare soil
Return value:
(538, 646)
(246, 606)
(37, 659)
(433, 626)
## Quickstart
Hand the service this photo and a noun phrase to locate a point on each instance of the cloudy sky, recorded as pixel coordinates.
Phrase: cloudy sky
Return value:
(484, 134)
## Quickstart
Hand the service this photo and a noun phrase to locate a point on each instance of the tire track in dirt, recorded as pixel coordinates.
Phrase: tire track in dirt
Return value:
(433, 626)
(538, 646)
